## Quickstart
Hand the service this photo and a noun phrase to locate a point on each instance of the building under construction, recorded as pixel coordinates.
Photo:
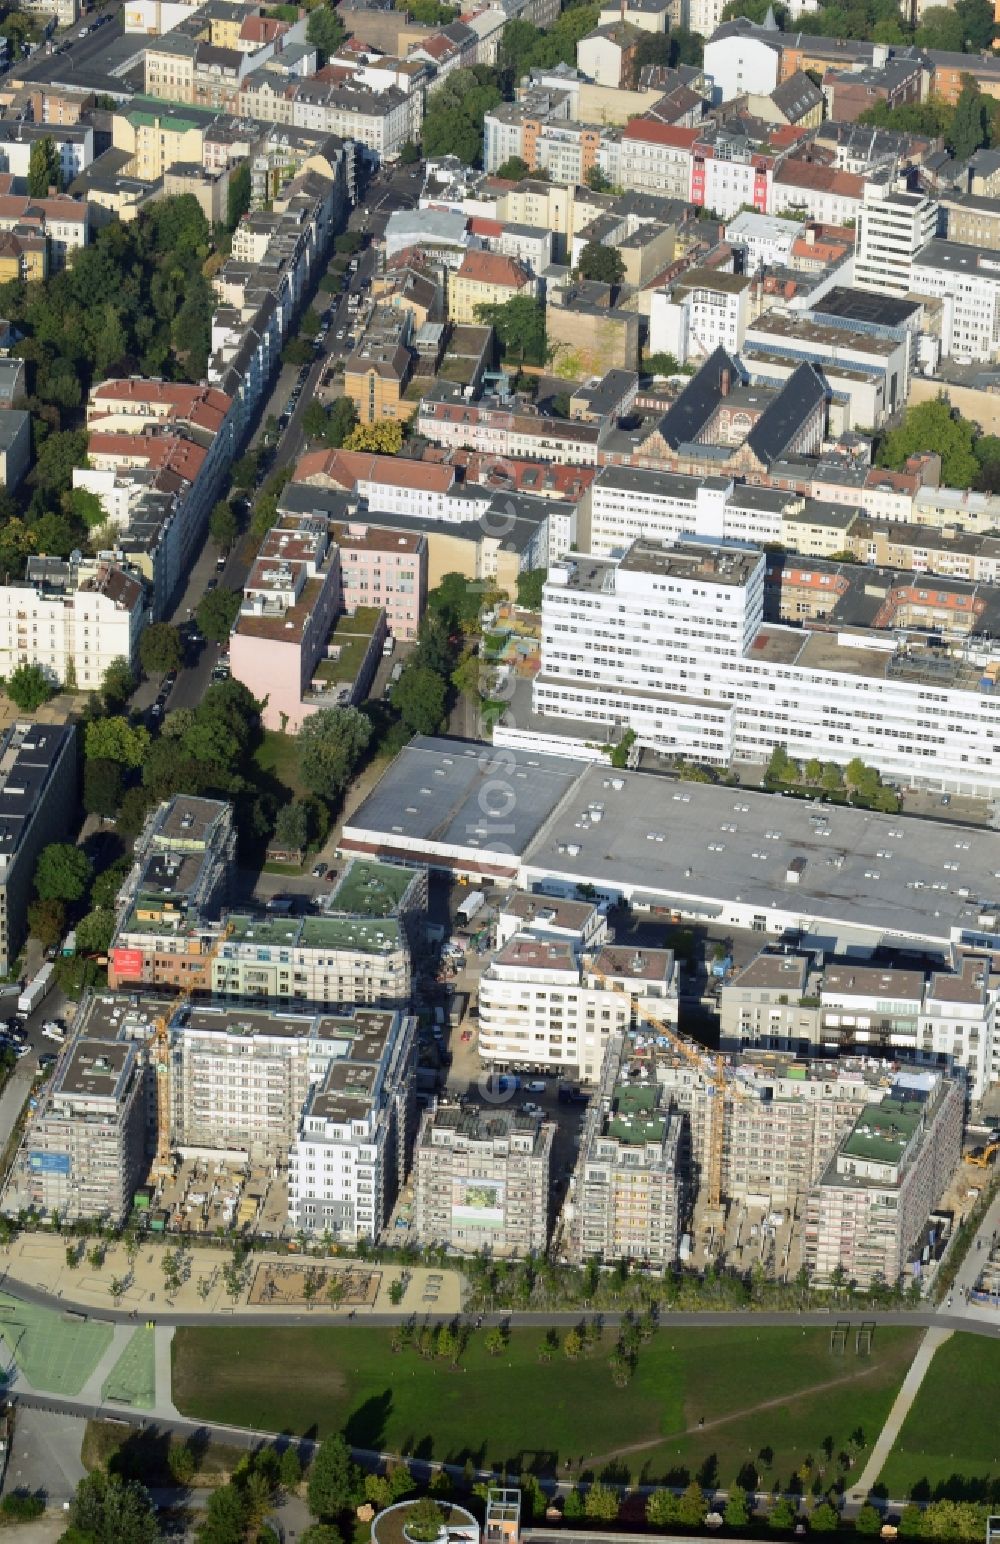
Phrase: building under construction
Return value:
(670, 1142)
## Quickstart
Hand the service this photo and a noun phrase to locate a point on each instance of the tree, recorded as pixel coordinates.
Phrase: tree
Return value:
(970, 127)
(110, 1510)
(225, 1517)
(341, 421)
(692, 1508)
(325, 31)
(597, 181)
(494, 1341)
(28, 687)
(932, 425)
(238, 197)
(160, 649)
(601, 1502)
(736, 1511)
(520, 327)
(103, 786)
(459, 601)
(348, 243)
(333, 1479)
(291, 826)
(330, 744)
(824, 1519)
(95, 931)
(290, 1469)
(314, 420)
(978, 24)
(869, 1520)
(115, 739)
(661, 1509)
(660, 364)
(419, 697)
(529, 588)
(56, 459)
(783, 1515)
(320, 1533)
(941, 28)
(62, 872)
(409, 155)
(514, 169)
(118, 683)
(384, 439)
(223, 526)
(47, 922)
(601, 263)
(216, 613)
(44, 169)
(181, 1463)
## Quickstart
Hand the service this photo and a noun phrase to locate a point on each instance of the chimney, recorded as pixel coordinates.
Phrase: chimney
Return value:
(724, 381)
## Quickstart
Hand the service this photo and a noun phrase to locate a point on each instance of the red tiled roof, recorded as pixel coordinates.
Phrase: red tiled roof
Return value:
(651, 132)
(479, 226)
(262, 29)
(346, 468)
(824, 179)
(493, 268)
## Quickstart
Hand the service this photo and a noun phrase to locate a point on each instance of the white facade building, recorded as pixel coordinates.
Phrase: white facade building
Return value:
(705, 310)
(765, 239)
(734, 61)
(967, 281)
(671, 642)
(892, 228)
(626, 504)
(71, 619)
(543, 1004)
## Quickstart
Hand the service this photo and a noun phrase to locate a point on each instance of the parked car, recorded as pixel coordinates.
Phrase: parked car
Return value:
(320, 870)
(537, 1087)
(466, 1036)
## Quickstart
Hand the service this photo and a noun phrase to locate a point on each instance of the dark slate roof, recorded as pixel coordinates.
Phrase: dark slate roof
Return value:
(781, 420)
(685, 419)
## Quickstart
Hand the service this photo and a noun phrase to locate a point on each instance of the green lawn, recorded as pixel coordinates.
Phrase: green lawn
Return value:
(950, 1441)
(278, 755)
(514, 1409)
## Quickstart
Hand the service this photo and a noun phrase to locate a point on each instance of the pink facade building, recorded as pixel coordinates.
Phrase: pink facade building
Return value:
(386, 568)
(290, 602)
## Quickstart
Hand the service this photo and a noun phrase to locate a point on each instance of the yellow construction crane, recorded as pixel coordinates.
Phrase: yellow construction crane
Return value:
(982, 1157)
(160, 1058)
(710, 1067)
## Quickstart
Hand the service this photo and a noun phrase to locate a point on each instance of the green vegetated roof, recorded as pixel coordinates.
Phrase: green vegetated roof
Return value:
(373, 889)
(883, 1131)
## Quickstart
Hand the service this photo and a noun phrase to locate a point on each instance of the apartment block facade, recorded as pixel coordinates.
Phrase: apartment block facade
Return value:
(481, 1180)
(72, 619)
(37, 803)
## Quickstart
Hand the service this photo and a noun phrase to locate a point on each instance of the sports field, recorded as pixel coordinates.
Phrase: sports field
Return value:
(55, 1352)
(754, 1389)
(949, 1444)
(132, 1380)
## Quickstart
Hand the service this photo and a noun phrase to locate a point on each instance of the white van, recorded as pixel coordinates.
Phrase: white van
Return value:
(55, 1032)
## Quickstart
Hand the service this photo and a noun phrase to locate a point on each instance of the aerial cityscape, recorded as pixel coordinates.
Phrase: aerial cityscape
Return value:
(499, 770)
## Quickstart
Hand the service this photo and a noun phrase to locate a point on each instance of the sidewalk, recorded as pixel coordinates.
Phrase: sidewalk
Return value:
(897, 1415)
(39, 1260)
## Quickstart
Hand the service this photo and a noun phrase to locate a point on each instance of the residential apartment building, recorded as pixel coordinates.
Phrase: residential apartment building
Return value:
(893, 227)
(37, 805)
(291, 598)
(83, 1153)
(15, 446)
(72, 619)
(868, 1213)
(624, 504)
(351, 1150)
(384, 568)
(543, 1003)
(967, 282)
(184, 861)
(481, 1180)
(61, 222)
(486, 279)
(377, 372)
(783, 1002)
(74, 144)
(632, 1171)
(703, 310)
(672, 642)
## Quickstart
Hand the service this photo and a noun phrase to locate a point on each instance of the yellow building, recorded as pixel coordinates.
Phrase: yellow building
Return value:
(23, 255)
(157, 140)
(486, 279)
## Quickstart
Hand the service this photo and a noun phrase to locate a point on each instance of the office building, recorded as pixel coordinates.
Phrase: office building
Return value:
(967, 282)
(37, 804)
(632, 1170)
(892, 228)
(481, 1180)
(868, 1213)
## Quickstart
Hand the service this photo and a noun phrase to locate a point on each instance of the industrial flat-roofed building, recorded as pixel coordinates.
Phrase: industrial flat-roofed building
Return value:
(83, 1154)
(452, 805)
(37, 803)
(868, 1211)
(481, 1180)
(633, 1166)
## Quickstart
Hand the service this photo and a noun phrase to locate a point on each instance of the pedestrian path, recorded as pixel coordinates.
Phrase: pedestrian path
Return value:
(886, 1440)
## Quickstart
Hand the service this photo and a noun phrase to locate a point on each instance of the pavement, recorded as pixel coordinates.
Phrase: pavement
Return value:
(45, 1454)
(908, 1390)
